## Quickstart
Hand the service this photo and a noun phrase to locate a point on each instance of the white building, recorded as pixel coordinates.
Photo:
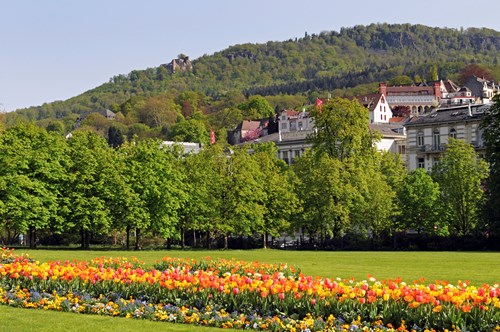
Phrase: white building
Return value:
(428, 135)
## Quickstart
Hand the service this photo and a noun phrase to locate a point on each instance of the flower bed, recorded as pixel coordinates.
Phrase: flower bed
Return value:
(227, 293)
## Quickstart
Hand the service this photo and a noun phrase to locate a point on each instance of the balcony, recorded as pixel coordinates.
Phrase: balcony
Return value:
(430, 148)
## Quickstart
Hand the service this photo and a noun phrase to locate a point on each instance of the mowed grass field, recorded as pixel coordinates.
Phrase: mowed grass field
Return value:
(476, 267)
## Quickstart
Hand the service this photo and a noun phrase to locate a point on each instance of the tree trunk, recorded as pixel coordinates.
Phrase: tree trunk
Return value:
(137, 239)
(127, 241)
(82, 238)
(183, 243)
(264, 240)
(194, 238)
(87, 240)
(226, 246)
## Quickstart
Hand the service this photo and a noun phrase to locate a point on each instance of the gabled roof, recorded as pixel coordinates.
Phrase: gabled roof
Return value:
(397, 119)
(388, 130)
(250, 125)
(451, 86)
(369, 101)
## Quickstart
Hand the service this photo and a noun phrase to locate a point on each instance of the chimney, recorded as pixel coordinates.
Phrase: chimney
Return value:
(382, 88)
(437, 91)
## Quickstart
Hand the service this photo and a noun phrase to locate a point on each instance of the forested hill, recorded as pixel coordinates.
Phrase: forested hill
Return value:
(308, 66)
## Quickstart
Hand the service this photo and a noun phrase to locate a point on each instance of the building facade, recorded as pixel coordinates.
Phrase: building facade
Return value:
(428, 135)
(419, 99)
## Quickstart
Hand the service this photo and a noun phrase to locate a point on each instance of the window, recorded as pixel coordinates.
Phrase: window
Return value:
(420, 138)
(436, 139)
(285, 157)
(435, 161)
(421, 163)
(293, 125)
(402, 149)
(300, 125)
(453, 133)
(283, 125)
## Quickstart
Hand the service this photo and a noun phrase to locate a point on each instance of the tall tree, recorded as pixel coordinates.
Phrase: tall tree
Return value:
(419, 201)
(281, 203)
(87, 208)
(325, 194)
(460, 174)
(343, 130)
(491, 131)
(32, 173)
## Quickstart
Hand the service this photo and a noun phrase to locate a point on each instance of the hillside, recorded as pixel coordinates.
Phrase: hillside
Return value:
(332, 62)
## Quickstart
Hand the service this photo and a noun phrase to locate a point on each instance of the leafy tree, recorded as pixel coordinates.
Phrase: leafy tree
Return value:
(281, 203)
(474, 70)
(343, 130)
(191, 130)
(256, 107)
(115, 137)
(32, 173)
(373, 199)
(325, 194)
(419, 199)
(226, 118)
(237, 195)
(460, 174)
(400, 80)
(87, 210)
(159, 111)
(56, 126)
(432, 75)
(491, 131)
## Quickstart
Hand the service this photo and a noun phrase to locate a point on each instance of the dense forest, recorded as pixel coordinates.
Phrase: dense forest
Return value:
(216, 91)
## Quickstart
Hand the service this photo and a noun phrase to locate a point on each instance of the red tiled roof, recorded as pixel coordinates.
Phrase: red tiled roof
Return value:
(290, 113)
(410, 89)
(396, 119)
(250, 125)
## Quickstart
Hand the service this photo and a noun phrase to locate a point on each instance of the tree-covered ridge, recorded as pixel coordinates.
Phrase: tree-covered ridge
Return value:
(344, 62)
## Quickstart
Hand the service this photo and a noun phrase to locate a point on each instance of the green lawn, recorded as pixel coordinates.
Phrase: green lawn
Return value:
(476, 267)
(24, 320)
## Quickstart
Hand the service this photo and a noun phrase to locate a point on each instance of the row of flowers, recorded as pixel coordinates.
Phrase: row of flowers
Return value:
(255, 295)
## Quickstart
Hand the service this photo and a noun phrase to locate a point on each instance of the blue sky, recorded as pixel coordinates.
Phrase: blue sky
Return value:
(56, 49)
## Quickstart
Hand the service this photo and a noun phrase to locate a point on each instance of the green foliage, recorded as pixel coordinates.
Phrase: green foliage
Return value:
(256, 107)
(342, 129)
(191, 130)
(460, 174)
(279, 197)
(419, 200)
(325, 193)
(490, 127)
(33, 169)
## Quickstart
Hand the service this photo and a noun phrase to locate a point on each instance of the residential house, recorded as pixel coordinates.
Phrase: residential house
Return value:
(377, 105)
(252, 129)
(428, 135)
(393, 138)
(484, 89)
